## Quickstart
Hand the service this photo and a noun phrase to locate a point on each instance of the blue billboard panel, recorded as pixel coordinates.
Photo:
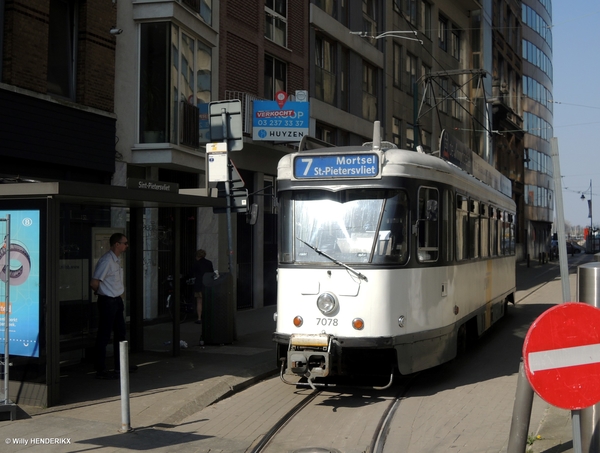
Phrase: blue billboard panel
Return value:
(24, 294)
(288, 123)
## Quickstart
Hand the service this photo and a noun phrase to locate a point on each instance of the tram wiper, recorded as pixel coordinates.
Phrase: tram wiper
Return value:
(339, 263)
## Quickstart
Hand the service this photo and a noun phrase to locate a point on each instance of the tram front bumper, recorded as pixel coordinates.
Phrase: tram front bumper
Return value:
(309, 355)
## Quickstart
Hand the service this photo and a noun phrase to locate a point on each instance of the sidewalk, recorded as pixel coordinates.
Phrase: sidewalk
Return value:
(166, 390)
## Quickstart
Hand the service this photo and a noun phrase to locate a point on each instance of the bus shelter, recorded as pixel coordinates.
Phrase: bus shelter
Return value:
(62, 228)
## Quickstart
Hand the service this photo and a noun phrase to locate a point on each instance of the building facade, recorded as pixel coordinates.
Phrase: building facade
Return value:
(538, 114)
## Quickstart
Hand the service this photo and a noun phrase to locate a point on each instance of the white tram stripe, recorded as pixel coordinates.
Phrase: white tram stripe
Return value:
(561, 358)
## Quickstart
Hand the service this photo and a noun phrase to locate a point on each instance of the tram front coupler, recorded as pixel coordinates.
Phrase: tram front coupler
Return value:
(309, 355)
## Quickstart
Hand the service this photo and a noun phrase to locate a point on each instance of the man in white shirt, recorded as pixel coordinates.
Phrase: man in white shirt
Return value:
(107, 283)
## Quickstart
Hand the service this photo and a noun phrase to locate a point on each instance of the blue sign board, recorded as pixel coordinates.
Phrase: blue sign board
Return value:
(343, 166)
(288, 123)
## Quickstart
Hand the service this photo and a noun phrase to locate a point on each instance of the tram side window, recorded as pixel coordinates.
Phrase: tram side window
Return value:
(448, 224)
(508, 234)
(474, 229)
(500, 236)
(485, 231)
(428, 224)
(392, 242)
(493, 232)
(462, 228)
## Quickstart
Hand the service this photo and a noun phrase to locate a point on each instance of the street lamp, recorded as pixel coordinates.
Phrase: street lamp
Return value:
(590, 215)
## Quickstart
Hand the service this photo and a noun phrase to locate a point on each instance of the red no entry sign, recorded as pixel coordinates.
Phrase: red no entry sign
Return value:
(561, 355)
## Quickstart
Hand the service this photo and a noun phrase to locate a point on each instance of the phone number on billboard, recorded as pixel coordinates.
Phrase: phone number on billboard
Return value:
(287, 123)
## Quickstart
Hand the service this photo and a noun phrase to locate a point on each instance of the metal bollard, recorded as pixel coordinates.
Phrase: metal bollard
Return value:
(588, 291)
(124, 364)
(517, 439)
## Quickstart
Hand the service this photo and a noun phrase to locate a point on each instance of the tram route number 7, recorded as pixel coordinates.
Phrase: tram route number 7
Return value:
(308, 162)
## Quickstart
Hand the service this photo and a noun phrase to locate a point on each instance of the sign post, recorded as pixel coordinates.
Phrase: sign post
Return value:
(561, 354)
(226, 125)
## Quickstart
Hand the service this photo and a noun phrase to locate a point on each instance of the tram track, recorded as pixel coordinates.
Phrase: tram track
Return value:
(322, 397)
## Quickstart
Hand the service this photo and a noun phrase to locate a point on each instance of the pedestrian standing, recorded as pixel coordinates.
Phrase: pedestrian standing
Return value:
(200, 267)
(107, 283)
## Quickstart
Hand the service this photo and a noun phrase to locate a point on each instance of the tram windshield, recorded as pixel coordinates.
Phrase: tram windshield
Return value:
(352, 226)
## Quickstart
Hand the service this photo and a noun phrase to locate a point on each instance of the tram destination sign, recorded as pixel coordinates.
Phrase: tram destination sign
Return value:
(342, 166)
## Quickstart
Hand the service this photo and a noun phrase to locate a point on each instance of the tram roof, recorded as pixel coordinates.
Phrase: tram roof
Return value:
(104, 194)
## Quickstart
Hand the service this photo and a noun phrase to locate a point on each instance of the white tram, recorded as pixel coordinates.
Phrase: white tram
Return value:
(388, 260)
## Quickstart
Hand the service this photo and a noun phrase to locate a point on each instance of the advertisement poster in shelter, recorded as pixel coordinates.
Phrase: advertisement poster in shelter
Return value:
(24, 291)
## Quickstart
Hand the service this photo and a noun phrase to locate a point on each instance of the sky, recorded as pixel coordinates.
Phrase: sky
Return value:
(576, 92)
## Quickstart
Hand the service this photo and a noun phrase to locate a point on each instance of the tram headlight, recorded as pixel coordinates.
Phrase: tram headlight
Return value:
(327, 303)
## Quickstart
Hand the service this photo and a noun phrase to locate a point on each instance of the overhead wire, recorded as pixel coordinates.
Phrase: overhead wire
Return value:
(441, 65)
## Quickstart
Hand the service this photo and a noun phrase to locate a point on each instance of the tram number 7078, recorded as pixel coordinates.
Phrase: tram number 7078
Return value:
(327, 322)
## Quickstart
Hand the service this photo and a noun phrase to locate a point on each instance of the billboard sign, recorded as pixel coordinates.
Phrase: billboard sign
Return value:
(280, 121)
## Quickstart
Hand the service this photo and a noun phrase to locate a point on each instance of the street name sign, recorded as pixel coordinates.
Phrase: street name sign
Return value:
(561, 354)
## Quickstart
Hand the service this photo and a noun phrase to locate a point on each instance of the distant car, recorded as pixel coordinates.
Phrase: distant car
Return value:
(572, 248)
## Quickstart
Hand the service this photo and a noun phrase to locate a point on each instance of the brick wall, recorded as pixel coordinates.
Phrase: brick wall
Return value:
(96, 55)
(26, 44)
(25, 53)
(243, 47)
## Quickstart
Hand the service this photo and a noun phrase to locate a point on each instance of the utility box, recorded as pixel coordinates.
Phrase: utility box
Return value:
(218, 312)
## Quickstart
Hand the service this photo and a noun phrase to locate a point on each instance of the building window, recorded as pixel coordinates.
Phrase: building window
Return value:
(443, 33)
(397, 65)
(275, 76)
(410, 11)
(410, 136)
(175, 78)
(369, 22)
(426, 141)
(427, 95)
(456, 107)
(443, 103)
(425, 19)
(62, 48)
(325, 71)
(344, 79)
(202, 7)
(276, 21)
(411, 72)
(325, 133)
(369, 86)
(329, 6)
(396, 132)
(455, 44)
